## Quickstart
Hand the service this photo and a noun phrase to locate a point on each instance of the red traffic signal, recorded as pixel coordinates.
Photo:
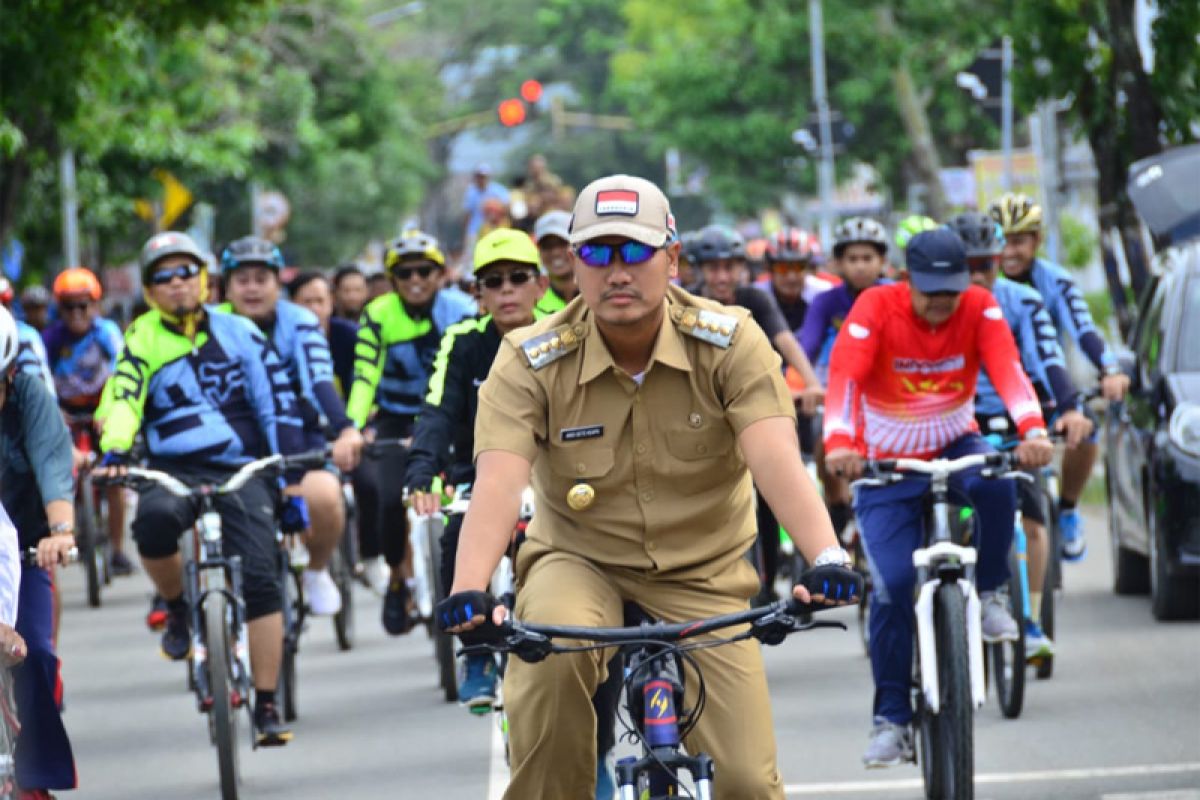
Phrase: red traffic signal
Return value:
(511, 112)
(531, 91)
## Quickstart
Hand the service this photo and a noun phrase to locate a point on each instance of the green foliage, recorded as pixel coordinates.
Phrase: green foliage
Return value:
(298, 97)
(1078, 242)
(728, 82)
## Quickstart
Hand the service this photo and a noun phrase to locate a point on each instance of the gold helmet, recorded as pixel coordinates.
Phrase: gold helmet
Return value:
(1017, 213)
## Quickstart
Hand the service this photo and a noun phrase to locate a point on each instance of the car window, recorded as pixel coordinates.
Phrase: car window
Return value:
(1189, 334)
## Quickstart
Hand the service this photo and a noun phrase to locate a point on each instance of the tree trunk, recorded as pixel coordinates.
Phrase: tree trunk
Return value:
(926, 161)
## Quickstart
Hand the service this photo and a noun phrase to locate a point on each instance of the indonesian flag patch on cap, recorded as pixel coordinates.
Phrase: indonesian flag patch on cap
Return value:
(617, 201)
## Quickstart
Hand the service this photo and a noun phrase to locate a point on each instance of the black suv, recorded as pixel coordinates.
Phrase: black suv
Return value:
(1152, 458)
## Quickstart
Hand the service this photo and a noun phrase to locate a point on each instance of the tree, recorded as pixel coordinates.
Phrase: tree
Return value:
(58, 60)
(1086, 51)
(729, 82)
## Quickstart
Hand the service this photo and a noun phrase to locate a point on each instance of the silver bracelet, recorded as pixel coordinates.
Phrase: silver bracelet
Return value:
(834, 554)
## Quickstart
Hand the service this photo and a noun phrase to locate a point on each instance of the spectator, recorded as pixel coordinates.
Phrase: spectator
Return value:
(481, 189)
(377, 285)
(349, 292)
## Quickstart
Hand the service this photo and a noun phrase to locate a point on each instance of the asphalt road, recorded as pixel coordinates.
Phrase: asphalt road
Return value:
(1119, 720)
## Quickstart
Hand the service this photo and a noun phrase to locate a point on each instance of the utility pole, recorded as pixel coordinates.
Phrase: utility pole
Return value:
(1006, 110)
(825, 173)
(70, 208)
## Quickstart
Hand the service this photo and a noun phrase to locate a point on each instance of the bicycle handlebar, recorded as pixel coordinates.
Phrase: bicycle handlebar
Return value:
(29, 557)
(770, 624)
(893, 470)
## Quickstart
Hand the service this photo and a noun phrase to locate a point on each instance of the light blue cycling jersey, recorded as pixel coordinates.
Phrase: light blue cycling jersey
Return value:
(1037, 342)
(31, 355)
(303, 349)
(1068, 310)
(220, 400)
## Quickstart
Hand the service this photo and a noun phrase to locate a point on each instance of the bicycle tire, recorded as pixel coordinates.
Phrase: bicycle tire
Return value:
(947, 738)
(443, 643)
(291, 635)
(89, 553)
(1008, 658)
(343, 620)
(1051, 584)
(220, 682)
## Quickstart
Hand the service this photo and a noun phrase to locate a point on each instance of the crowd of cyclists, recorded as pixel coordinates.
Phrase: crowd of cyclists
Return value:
(907, 344)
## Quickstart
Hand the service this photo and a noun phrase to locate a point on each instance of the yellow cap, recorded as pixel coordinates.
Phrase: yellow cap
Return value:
(505, 244)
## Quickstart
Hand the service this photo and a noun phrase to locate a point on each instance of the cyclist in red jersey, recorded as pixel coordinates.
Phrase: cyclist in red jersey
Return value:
(902, 384)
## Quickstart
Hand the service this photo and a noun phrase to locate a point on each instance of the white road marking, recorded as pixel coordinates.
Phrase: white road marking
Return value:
(1132, 771)
(498, 770)
(1170, 794)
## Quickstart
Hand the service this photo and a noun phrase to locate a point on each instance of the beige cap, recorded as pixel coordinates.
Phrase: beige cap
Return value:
(622, 205)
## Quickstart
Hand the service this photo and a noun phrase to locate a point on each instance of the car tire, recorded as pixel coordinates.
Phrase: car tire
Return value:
(1171, 596)
(1131, 570)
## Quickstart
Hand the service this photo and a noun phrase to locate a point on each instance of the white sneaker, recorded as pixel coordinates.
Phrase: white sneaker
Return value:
(377, 574)
(321, 593)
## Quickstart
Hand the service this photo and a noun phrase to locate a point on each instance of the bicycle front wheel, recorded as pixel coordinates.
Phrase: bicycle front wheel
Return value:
(293, 624)
(340, 569)
(90, 555)
(443, 643)
(220, 682)
(947, 737)
(1008, 658)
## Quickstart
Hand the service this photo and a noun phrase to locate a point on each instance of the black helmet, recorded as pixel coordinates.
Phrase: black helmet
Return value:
(251, 250)
(981, 234)
(690, 242)
(717, 242)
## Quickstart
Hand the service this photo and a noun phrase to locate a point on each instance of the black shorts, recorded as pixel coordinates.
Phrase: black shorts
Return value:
(247, 529)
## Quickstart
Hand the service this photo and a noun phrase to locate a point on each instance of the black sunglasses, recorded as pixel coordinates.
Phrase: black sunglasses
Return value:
(67, 308)
(982, 263)
(183, 271)
(494, 280)
(406, 273)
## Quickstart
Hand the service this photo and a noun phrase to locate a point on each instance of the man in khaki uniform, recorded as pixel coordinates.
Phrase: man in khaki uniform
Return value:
(638, 409)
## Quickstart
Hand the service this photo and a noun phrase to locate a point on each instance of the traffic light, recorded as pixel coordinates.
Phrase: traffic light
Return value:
(531, 91)
(511, 112)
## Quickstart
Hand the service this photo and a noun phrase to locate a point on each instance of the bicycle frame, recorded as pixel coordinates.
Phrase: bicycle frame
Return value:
(208, 572)
(943, 561)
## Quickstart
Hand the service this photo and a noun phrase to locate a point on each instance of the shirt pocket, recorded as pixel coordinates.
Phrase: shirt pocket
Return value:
(699, 459)
(582, 461)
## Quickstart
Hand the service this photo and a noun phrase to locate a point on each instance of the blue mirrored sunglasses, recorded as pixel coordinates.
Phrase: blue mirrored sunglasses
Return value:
(601, 255)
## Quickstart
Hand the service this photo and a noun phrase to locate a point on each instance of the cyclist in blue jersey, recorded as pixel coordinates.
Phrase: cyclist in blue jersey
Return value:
(209, 394)
(1021, 221)
(82, 348)
(1042, 359)
(31, 350)
(250, 270)
(398, 339)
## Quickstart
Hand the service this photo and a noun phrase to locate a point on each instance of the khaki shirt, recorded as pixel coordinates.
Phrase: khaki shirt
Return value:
(672, 492)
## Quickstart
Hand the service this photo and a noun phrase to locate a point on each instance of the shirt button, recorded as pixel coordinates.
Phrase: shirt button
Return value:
(647, 496)
(641, 449)
(581, 468)
(651, 545)
(701, 449)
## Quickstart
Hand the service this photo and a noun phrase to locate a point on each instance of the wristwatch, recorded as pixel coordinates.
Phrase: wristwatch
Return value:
(1111, 370)
(1035, 433)
(62, 529)
(833, 555)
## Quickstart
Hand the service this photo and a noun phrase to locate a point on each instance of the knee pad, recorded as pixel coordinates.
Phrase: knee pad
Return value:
(154, 535)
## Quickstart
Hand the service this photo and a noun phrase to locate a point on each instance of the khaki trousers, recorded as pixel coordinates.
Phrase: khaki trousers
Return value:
(552, 733)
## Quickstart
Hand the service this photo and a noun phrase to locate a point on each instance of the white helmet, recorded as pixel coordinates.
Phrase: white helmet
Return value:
(8, 340)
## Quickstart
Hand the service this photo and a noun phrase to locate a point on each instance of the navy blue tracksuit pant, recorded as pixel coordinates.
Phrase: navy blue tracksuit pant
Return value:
(43, 753)
(890, 521)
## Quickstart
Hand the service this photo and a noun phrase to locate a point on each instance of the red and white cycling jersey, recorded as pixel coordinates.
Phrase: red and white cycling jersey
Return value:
(899, 387)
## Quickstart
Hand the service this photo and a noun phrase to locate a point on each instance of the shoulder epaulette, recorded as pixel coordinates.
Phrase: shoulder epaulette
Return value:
(548, 347)
(708, 326)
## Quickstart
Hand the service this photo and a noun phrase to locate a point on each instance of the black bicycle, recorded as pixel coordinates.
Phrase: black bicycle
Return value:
(219, 668)
(653, 689)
